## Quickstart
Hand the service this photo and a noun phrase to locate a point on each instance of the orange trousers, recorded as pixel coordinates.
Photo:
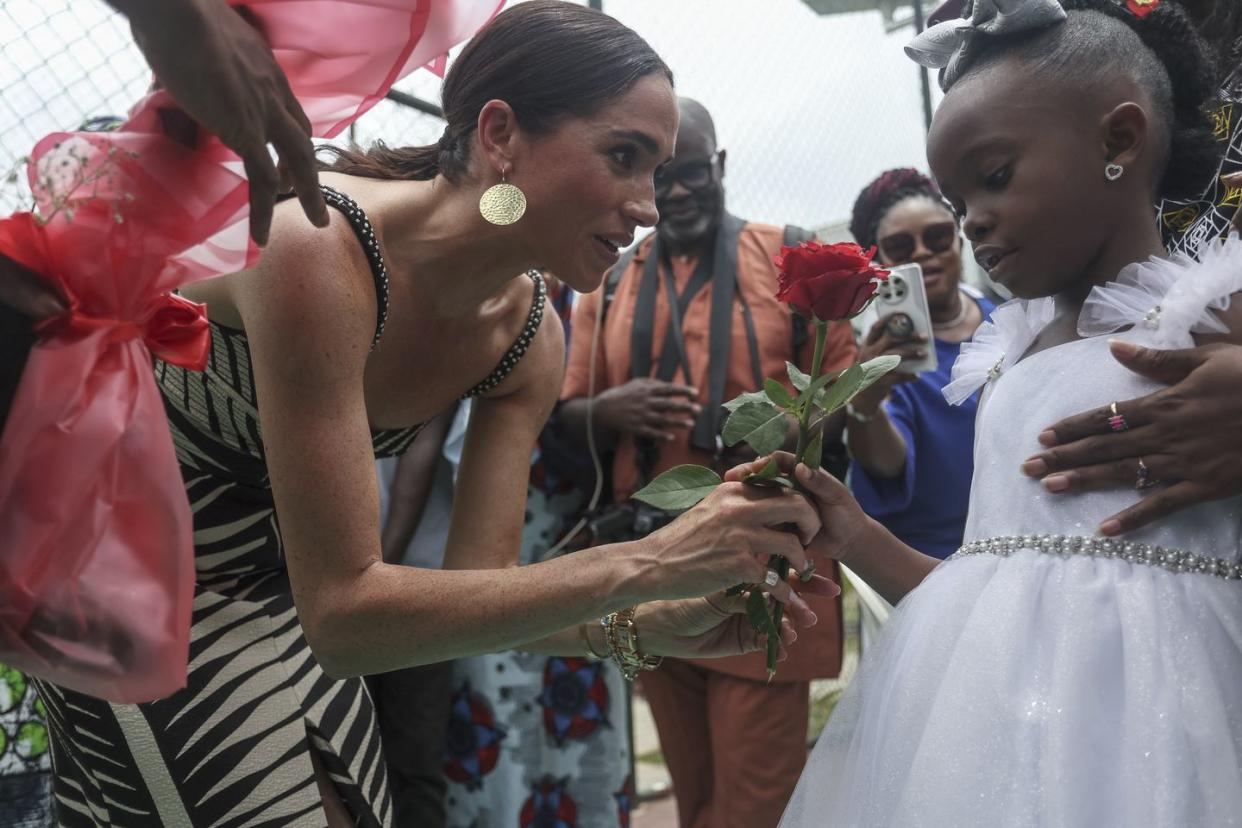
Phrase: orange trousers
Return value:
(734, 747)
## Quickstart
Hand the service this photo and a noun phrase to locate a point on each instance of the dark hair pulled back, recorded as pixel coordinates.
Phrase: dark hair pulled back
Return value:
(885, 192)
(1083, 48)
(548, 59)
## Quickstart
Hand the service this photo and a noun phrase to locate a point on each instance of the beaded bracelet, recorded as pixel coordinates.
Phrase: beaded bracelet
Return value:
(622, 638)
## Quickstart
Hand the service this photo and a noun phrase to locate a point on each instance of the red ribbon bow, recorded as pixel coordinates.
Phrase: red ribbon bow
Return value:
(174, 329)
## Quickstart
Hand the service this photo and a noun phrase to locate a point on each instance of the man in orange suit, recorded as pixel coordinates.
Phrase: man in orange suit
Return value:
(691, 321)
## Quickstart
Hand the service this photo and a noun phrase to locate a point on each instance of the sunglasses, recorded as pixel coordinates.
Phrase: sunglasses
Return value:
(899, 248)
(693, 175)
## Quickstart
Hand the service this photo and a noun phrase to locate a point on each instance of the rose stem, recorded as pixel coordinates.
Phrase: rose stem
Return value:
(780, 563)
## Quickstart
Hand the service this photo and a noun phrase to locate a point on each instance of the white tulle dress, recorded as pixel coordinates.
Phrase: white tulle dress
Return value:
(1041, 676)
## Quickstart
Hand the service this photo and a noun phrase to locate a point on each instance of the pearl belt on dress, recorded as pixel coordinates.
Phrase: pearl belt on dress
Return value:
(1174, 560)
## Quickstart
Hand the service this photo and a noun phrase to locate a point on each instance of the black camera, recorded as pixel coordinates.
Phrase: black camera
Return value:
(627, 522)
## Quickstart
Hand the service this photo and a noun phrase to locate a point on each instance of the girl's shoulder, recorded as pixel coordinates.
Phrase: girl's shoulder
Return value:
(997, 345)
(1164, 302)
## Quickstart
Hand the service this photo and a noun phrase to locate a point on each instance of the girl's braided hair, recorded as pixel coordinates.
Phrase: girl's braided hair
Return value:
(1176, 68)
(882, 194)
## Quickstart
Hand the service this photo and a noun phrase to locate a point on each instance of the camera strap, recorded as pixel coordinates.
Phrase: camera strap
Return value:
(721, 272)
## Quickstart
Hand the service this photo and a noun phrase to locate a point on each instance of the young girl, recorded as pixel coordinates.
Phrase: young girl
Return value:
(1048, 674)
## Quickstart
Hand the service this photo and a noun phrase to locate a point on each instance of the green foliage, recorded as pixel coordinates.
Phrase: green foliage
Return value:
(799, 379)
(762, 425)
(777, 393)
(741, 399)
(856, 378)
(769, 476)
(679, 488)
(758, 614)
(810, 394)
(814, 450)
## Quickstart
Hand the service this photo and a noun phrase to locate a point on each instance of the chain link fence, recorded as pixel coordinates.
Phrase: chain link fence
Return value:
(809, 106)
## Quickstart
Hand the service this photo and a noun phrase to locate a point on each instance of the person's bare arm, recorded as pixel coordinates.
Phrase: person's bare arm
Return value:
(875, 443)
(219, 69)
(309, 311)
(411, 486)
(889, 566)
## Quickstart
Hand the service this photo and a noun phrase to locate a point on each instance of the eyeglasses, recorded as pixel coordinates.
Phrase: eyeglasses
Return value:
(899, 248)
(693, 175)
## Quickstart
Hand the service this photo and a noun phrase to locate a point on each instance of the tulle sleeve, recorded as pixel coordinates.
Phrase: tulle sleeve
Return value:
(1163, 302)
(997, 345)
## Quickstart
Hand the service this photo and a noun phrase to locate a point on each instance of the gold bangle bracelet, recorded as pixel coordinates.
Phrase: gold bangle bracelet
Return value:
(622, 638)
(591, 653)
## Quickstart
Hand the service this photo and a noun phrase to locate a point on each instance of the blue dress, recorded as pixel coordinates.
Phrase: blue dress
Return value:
(926, 505)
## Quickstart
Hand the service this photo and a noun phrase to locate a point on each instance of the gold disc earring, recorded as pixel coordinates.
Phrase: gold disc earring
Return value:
(502, 204)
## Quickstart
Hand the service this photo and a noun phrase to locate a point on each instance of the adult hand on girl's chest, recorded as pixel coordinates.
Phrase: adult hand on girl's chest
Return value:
(1188, 436)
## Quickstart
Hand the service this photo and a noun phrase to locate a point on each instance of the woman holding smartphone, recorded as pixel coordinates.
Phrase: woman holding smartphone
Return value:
(911, 451)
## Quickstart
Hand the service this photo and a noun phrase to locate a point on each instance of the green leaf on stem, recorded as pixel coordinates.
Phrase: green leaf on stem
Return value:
(814, 450)
(762, 425)
(741, 400)
(769, 476)
(759, 615)
(761, 619)
(777, 393)
(799, 378)
(768, 482)
(855, 379)
(771, 470)
(811, 392)
(679, 488)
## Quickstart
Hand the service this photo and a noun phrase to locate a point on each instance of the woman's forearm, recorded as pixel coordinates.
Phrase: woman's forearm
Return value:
(391, 617)
(878, 446)
(889, 566)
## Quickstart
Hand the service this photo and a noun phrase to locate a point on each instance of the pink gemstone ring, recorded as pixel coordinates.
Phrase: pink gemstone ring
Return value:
(1117, 422)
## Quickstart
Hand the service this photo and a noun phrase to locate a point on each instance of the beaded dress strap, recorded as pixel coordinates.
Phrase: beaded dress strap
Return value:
(370, 246)
(512, 356)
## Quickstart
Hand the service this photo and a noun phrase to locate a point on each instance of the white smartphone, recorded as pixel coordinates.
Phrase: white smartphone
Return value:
(903, 302)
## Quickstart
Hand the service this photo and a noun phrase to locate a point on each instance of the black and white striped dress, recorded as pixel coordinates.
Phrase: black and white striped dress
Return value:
(233, 747)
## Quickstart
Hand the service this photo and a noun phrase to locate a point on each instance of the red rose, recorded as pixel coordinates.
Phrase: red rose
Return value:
(1142, 8)
(828, 281)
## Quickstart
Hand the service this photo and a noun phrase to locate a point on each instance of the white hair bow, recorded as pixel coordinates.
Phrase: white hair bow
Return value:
(948, 45)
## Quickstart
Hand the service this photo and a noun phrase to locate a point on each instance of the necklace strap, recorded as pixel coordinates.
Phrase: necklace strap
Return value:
(962, 313)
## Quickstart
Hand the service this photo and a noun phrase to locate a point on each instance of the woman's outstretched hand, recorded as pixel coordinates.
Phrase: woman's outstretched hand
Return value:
(841, 518)
(727, 539)
(716, 626)
(1188, 436)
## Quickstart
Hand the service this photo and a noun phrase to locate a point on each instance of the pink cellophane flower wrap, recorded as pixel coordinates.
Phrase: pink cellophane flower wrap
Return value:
(96, 546)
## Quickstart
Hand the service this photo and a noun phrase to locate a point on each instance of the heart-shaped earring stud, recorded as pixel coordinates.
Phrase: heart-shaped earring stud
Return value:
(1114, 171)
